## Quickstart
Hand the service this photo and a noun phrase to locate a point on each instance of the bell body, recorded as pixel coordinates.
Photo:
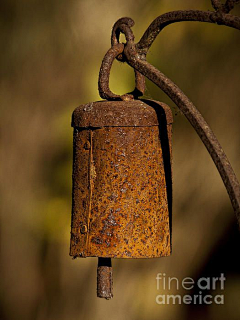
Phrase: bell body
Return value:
(121, 180)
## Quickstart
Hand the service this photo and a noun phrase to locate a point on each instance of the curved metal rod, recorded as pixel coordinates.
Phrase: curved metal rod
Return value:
(177, 16)
(195, 118)
(104, 74)
(117, 29)
(124, 25)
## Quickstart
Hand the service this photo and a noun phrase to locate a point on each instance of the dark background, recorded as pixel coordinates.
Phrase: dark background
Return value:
(51, 53)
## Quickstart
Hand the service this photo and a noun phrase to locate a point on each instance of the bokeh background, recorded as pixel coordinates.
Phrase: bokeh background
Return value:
(51, 52)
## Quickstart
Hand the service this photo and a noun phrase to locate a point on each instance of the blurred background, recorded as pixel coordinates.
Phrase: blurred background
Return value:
(51, 53)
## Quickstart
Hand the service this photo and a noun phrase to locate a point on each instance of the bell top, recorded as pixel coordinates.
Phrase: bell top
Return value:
(135, 113)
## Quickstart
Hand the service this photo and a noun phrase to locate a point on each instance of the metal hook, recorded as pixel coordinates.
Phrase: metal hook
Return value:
(123, 25)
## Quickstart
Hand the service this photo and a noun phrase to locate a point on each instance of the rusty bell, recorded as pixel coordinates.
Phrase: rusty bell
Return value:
(122, 183)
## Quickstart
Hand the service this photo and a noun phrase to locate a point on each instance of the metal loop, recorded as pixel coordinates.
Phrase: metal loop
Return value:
(117, 29)
(104, 74)
(123, 25)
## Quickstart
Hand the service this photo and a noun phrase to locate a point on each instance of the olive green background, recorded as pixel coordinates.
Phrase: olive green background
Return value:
(51, 53)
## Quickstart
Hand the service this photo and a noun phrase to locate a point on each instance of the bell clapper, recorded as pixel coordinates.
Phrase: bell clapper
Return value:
(104, 278)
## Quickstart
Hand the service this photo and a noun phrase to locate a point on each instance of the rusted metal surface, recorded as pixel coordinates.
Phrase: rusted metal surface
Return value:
(104, 279)
(135, 56)
(80, 199)
(224, 7)
(135, 113)
(120, 193)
